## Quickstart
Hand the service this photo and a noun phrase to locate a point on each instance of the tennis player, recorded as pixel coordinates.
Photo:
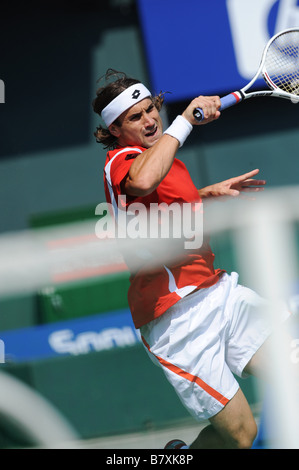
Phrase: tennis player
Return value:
(196, 321)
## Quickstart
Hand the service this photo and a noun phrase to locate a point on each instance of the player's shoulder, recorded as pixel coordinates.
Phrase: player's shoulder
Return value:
(124, 152)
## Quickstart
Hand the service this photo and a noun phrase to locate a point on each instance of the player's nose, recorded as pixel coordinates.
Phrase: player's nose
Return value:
(148, 121)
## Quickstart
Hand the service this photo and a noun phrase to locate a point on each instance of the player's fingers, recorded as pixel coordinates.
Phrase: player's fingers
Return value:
(210, 117)
(244, 177)
(248, 175)
(209, 106)
(251, 189)
(253, 182)
(233, 193)
(209, 109)
(217, 101)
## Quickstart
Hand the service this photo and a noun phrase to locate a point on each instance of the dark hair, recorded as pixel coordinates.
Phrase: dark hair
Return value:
(106, 94)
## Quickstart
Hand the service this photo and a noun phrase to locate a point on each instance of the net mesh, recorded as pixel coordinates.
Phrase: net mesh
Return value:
(281, 68)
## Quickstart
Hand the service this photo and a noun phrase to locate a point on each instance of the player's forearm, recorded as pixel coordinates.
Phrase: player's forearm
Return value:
(151, 166)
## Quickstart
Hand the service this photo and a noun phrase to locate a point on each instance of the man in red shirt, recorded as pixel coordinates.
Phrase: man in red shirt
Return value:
(196, 322)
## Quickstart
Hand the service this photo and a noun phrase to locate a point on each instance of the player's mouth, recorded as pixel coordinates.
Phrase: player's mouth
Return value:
(152, 133)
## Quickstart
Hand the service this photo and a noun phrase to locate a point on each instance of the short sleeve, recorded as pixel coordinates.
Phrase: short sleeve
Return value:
(119, 166)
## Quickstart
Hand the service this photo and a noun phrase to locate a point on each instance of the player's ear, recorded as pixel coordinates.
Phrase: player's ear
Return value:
(114, 130)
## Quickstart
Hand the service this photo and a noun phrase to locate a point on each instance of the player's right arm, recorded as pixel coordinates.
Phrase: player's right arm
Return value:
(151, 166)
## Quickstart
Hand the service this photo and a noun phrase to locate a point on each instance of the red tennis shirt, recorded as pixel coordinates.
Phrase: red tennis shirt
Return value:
(152, 291)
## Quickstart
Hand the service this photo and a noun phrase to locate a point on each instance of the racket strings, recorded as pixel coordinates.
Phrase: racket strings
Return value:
(282, 63)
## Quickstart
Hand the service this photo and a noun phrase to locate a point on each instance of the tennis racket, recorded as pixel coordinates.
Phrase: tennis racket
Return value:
(279, 68)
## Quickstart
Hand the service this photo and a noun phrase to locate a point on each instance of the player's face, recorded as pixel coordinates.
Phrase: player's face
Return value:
(140, 125)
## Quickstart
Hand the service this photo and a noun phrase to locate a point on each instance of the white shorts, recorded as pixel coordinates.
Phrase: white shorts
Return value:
(204, 339)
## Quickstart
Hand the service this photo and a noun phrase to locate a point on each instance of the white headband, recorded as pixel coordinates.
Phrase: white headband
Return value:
(124, 101)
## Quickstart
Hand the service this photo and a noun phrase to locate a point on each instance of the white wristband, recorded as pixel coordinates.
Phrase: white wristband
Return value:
(179, 129)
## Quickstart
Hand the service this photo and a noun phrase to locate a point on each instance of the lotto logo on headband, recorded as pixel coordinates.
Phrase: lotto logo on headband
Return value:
(2, 92)
(136, 94)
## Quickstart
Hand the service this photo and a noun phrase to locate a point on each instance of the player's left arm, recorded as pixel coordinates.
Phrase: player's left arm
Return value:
(233, 187)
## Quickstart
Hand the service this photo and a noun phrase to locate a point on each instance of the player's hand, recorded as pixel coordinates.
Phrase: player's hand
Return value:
(210, 106)
(234, 187)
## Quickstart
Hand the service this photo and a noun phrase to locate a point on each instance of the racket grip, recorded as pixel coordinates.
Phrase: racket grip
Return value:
(226, 102)
(229, 100)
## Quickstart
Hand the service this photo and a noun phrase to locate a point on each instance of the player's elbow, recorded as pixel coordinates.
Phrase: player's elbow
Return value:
(140, 186)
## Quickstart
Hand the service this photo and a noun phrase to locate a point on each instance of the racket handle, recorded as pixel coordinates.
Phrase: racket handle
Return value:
(230, 100)
(226, 102)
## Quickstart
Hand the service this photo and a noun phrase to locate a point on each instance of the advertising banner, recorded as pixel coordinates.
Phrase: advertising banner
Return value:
(209, 47)
(98, 332)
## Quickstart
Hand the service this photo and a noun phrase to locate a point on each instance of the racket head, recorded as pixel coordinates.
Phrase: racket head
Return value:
(280, 64)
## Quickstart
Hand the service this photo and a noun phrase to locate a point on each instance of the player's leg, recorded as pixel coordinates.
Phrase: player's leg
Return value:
(233, 427)
(257, 365)
(260, 363)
